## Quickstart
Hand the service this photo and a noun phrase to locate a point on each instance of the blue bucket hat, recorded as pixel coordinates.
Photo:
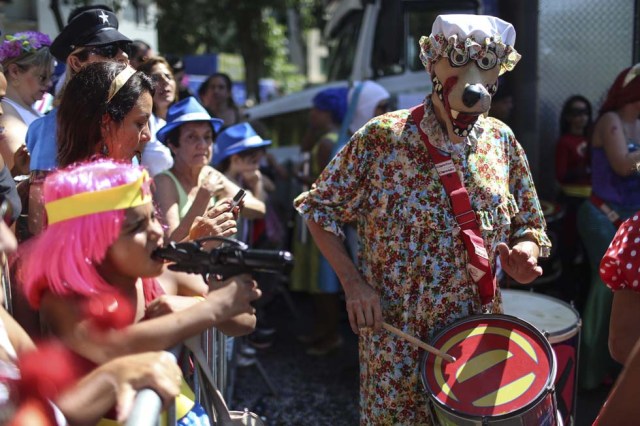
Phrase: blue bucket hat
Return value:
(185, 111)
(236, 139)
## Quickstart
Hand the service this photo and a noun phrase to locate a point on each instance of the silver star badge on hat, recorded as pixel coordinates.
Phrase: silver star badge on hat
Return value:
(104, 17)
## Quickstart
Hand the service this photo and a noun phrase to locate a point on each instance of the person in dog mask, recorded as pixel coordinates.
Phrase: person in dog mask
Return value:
(419, 269)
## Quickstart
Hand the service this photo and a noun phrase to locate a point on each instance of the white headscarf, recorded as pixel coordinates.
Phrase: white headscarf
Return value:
(370, 95)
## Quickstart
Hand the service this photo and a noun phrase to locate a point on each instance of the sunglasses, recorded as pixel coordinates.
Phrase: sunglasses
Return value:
(110, 51)
(575, 112)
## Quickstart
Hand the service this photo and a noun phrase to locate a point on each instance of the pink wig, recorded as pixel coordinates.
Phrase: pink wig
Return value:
(64, 258)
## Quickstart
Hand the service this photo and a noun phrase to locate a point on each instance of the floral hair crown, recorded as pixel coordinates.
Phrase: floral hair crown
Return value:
(18, 44)
(487, 53)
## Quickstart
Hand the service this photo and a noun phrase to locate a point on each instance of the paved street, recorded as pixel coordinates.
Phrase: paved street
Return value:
(321, 391)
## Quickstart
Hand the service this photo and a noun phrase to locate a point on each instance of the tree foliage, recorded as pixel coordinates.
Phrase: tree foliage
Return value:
(254, 29)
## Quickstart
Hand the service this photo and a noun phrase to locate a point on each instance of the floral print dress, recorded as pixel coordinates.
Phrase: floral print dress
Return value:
(410, 251)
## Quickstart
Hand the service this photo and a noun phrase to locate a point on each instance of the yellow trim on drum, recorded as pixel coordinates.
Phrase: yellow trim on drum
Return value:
(506, 393)
(476, 331)
(481, 363)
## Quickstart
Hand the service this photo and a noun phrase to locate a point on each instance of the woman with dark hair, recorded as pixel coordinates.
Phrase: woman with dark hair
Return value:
(615, 160)
(104, 112)
(573, 173)
(216, 96)
(156, 157)
(572, 159)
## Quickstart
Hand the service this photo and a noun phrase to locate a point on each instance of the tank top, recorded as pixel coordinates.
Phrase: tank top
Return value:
(315, 167)
(26, 115)
(184, 204)
(609, 186)
(183, 200)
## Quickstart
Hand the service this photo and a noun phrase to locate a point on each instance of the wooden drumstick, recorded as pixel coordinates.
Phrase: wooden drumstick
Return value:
(417, 342)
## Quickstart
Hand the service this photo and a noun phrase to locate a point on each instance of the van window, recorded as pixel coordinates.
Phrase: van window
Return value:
(342, 47)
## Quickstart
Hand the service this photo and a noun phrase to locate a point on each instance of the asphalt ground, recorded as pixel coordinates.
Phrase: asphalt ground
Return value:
(321, 390)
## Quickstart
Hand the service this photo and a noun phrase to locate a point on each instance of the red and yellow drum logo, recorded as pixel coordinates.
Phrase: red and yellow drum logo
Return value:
(502, 365)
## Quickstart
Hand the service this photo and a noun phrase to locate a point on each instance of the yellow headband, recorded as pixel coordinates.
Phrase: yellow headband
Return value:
(121, 197)
(120, 80)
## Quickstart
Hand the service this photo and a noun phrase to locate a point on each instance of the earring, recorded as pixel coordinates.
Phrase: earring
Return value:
(105, 150)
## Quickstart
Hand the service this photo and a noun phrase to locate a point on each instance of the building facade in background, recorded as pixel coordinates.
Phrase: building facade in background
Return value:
(137, 18)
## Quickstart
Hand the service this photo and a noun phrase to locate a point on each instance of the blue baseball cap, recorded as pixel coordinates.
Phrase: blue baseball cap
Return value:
(236, 139)
(185, 111)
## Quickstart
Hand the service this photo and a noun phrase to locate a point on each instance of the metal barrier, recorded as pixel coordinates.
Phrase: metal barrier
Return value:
(147, 405)
(219, 351)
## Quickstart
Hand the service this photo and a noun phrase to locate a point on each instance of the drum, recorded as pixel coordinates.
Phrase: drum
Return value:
(561, 324)
(503, 374)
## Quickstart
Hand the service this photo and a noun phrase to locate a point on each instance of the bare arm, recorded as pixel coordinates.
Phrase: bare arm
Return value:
(12, 140)
(622, 405)
(609, 134)
(189, 287)
(363, 302)
(117, 381)
(623, 325)
(155, 334)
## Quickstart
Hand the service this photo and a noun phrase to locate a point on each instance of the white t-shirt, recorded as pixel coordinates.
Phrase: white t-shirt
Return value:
(156, 156)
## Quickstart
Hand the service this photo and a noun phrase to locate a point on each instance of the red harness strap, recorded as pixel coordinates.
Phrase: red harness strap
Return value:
(610, 213)
(478, 267)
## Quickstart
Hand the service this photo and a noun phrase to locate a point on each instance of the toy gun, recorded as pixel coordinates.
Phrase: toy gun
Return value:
(233, 257)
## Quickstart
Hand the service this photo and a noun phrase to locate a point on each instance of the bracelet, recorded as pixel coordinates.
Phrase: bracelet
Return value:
(200, 298)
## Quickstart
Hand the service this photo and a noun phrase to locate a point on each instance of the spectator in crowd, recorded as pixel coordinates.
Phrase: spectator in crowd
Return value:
(312, 273)
(139, 52)
(156, 157)
(372, 100)
(216, 96)
(615, 155)
(619, 271)
(8, 192)
(91, 35)
(105, 208)
(104, 112)
(28, 66)
(83, 402)
(192, 190)
(238, 153)
(573, 173)
(180, 75)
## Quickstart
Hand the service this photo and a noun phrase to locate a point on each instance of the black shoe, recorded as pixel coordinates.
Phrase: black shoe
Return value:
(260, 340)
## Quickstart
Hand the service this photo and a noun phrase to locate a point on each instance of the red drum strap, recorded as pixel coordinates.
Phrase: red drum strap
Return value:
(479, 268)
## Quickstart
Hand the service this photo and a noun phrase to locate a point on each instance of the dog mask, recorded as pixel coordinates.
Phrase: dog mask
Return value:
(464, 56)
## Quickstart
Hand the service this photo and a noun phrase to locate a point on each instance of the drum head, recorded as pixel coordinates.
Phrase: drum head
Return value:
(502, 365)
(546, 313)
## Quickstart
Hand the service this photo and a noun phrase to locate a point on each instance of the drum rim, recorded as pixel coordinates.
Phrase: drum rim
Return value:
(548, 388)
(567, 332)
